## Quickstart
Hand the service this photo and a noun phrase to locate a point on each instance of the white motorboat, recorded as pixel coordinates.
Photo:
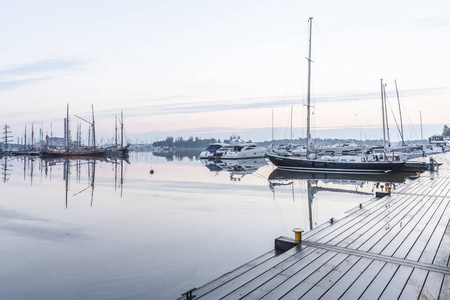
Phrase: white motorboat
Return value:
(238, 149)
(211, 150)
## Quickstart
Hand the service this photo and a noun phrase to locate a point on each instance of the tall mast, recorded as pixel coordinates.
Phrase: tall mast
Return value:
(6, 137)
(421, 128)
(386, 116)
(382, 112)
(400, 111)
(115, 137)
(25, 138)
(272, 127)
(67, 129)
(308, 106)
(93, 126)
(32, 135)
(121, 129)
(291, 124)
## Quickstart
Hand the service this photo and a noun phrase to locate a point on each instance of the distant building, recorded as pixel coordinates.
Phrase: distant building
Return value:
(56, 141)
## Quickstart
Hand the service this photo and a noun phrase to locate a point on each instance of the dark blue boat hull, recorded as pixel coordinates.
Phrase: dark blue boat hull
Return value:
(311, 165)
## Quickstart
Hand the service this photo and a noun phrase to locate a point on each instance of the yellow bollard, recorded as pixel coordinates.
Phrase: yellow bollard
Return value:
(388, 190)
(298, 234)
(418, 174)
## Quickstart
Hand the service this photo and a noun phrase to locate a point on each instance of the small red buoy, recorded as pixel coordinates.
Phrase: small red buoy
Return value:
(151, 171)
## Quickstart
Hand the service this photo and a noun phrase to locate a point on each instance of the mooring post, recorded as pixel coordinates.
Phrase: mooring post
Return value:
(431, 164)
(189, 295)
(298, 234)
(418, 174)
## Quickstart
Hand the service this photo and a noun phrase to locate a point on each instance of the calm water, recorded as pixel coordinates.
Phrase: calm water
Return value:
(115, 231)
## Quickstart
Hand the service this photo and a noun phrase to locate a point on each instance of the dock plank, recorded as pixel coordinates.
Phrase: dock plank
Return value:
(432, 286)
(442, 257)
(382, 233)
(321, 287)
(350, 224)
(380, 282)
(234, 283)
(420, 231)
(233, 274)
(342, 284)
(299, 290)
(294, 262)
(423, 240)
(397, 283)
(381, 230)
(290, 282)
(445, 289)
(414, 284)
(339, 226)
(360, 285)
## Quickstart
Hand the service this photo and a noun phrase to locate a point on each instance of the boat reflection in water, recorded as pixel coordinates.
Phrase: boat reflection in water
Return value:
(237, 168)
(359, 184)
(82, 167)
(28, 162)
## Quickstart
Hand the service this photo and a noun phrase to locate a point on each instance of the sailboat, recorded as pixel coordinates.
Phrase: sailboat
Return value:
(68, 150)
(333, 164)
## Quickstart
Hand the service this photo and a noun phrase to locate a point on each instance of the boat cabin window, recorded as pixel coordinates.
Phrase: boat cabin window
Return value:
(214, 147)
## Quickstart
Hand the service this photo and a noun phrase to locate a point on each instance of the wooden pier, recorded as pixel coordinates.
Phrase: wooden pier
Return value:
(395, 247)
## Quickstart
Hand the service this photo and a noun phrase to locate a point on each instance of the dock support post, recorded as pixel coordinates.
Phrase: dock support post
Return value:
(189, 294)
(298, 234)
(431, 164)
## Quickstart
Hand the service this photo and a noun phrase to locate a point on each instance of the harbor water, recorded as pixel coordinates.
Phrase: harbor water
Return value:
(109, 229)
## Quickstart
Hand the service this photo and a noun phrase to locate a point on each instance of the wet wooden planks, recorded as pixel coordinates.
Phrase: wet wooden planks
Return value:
(394, 247)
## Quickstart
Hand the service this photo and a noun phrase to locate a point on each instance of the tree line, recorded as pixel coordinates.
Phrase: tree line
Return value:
(446, 131)
(179, 142)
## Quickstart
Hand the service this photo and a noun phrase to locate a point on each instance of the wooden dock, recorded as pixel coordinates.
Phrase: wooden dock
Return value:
(395, 247)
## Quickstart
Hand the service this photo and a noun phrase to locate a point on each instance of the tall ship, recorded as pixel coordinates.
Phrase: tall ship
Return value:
(75, 150)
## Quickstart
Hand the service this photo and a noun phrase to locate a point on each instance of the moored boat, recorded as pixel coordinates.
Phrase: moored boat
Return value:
(211, 150)
(238, 149)
(54, 151)
(338, 164)
(71, 150)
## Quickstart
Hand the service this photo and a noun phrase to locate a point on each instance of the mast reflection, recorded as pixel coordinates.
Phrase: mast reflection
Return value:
(87, 164)
(361, 184)
(6, 169)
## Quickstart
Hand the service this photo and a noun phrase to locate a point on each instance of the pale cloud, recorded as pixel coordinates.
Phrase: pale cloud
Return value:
(35, 72)
(161, 107)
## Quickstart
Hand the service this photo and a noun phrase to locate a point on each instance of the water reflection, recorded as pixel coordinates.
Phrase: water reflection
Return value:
(359, 184)
(27, 166)
(78, 167)
(237, 168)
(177, 155)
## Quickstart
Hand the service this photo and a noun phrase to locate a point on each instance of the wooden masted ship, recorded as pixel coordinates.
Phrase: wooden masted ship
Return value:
(70, 150)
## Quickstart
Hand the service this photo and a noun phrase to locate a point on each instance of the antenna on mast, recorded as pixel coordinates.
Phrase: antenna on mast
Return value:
(308, 105)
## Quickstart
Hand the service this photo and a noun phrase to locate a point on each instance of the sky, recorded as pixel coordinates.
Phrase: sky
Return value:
(213, 68)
